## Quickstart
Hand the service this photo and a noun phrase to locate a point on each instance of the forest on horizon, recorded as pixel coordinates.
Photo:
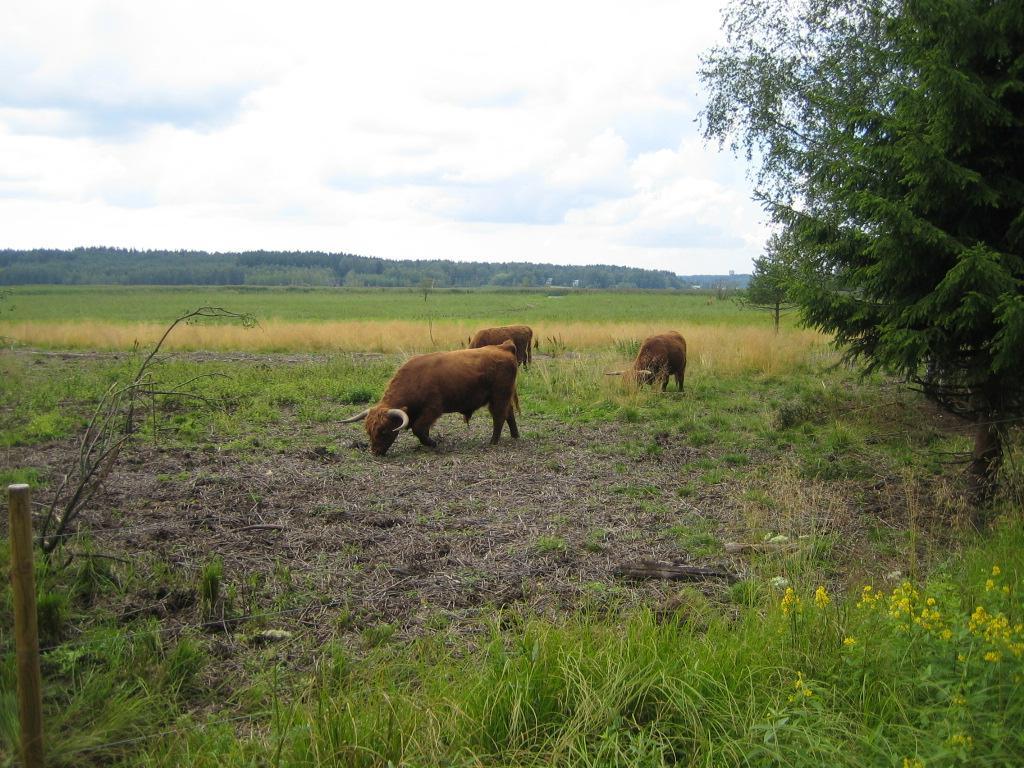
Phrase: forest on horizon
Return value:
(123, 266)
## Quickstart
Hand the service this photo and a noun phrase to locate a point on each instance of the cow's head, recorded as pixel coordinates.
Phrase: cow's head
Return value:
(634, 375)
(643, 376)
(382, 425)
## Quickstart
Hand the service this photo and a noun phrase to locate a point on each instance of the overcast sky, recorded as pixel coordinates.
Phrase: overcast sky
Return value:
(551, 131)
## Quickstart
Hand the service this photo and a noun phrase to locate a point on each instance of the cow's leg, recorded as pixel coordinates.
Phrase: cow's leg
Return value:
(501, 410)
(513, 428)
(679, 380)
(664, 380)
(421, 428)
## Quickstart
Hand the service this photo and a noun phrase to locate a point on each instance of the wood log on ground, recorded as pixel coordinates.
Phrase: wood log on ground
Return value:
(651, 569)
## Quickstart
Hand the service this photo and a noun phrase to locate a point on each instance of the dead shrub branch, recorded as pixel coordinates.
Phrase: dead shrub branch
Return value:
(111, 429)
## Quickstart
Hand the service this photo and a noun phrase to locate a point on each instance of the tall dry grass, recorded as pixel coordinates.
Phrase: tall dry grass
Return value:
(714, 348)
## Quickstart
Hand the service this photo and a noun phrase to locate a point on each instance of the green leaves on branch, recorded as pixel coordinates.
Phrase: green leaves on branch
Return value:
(888, 142)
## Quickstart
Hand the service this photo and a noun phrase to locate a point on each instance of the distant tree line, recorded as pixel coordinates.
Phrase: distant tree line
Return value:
(120, 266)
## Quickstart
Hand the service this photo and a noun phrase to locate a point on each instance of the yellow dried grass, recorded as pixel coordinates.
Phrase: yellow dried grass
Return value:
(726, 348)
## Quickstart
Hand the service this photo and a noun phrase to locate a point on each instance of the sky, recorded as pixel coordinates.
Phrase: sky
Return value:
(560, 132)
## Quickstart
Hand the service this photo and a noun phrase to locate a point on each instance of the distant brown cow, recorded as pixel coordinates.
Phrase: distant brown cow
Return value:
(427, 386)
(660, 356)
(521, 335)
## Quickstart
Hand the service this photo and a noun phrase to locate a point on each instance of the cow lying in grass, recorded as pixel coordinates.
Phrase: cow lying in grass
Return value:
(427, 386)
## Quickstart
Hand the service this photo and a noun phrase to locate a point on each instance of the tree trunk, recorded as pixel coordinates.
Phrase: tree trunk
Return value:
(985, 462)
(778, 311)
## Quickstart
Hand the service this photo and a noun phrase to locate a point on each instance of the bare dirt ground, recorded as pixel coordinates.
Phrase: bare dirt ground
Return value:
(400, 538)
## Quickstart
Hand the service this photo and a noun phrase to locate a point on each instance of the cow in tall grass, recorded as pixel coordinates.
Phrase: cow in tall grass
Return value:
(427, 386)
(660, 356)
(521, 336)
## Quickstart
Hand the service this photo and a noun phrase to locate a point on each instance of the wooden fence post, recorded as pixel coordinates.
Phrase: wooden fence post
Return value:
(26, 630)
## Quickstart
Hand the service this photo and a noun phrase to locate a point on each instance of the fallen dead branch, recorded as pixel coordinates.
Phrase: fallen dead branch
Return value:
(651, 569)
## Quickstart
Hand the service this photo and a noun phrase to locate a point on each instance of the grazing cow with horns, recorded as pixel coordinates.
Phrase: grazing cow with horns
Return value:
(521, 335)
(427, 386)
(660, 356)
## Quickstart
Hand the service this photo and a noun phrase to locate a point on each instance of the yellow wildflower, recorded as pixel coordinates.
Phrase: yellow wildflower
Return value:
(959, 700)
(930, 619)
(821, 598)
(901, 604)
(790, 602)
(961, 658)
(961, 740)
(989, 585)
(930, 601)
(978, 620)
(848, 641)
(867, 596)
(802, 689)
(946, 634)
(993, 656)
(913, 762)
(995, 570)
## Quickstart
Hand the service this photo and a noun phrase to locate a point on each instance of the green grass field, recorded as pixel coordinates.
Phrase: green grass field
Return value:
(125, 304)
(251, 587)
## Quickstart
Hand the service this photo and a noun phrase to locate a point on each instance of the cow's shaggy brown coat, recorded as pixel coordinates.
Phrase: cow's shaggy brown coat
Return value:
(661, 356)
(521, 335)
(427, 386)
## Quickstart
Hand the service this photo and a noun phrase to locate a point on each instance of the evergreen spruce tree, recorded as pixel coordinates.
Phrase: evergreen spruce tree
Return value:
(890, 141)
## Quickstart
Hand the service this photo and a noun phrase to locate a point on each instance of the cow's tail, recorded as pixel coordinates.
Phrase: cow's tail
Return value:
(515, 401)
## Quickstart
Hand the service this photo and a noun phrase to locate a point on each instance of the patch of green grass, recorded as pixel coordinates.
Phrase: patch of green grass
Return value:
(15, 475)
(695, 539)
(211, 594)
(357, 396)
(749, 593)
(549, 544)
(637, 491)
(52, 615)
(713, 477)
(595, 541)
(686, 490)
(378, 635)
(39, 428)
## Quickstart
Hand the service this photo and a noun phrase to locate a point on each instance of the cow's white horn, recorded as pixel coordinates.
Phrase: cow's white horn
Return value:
(614, 373)
(644, 371)
(357, 417)
(400, 414)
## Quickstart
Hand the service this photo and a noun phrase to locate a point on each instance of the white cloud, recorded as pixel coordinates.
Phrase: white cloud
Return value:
(539, 131)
